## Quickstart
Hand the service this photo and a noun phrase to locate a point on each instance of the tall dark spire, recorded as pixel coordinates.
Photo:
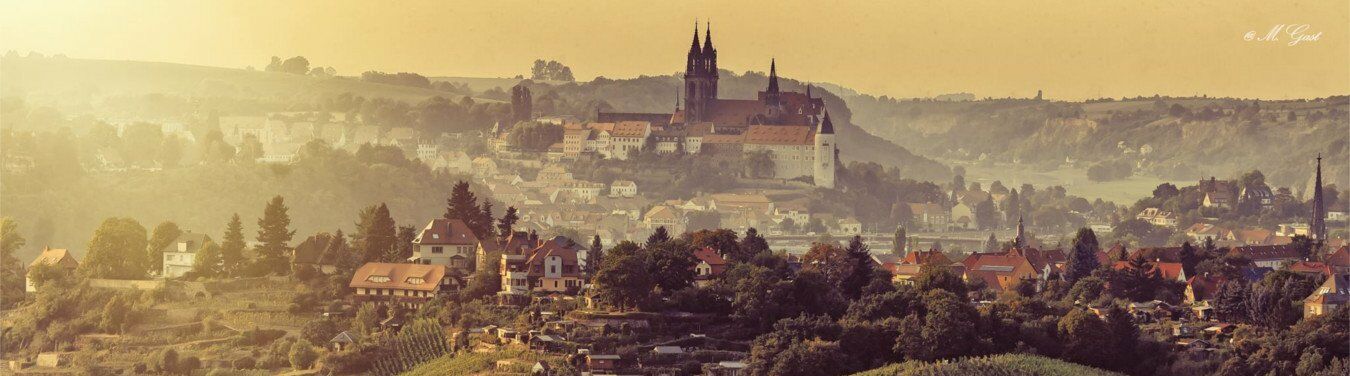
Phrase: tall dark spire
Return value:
(826, 127)
(707, 39)
(773, 76)
(1021, 239)
(693, 64)
(1317, 227)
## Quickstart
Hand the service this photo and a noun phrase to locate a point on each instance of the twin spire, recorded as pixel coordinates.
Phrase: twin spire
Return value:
(707, 48)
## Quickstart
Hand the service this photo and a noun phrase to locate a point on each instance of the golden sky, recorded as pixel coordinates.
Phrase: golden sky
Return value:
(1071, 49)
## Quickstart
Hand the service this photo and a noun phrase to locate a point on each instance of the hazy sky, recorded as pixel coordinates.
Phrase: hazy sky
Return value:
(1071, 49)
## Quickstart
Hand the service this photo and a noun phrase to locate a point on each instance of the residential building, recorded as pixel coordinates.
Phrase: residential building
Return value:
(1332, 294)
(181, 253)
(623, 188)
(710, 266)
(1270, 256)
(59, 257)
(447, 242)
(1158, 217)
(408, 285)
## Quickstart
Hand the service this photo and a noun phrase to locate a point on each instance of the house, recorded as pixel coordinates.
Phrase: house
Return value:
(725, 368)
(932, 216)
(1270, 256)
(905, 273)
(599, 362)
(1332, 294)
(554, 266)
(446, 242)
(1218, 193)
(181, 253)
(1158, 217)
(60, 257)
(623, 188)
(1257, 196)
(518, 243)
(1202, 288)
(963, 216)
(1200, 231)
(886, 261)
(1313, 269)
(1292, 229)
(342, 341)
(850, 226)
(1004, 270)
(664, 216)
(1339, 260)
(408, 285)
(710, 266)
(313, 253)
(1170, 271)
(1218, 199)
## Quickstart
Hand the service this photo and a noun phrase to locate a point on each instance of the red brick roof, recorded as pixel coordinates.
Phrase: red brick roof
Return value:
(58, 256)
(923, 257)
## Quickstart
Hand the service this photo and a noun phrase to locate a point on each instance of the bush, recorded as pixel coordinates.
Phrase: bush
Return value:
(258, 337)
(245, 363)
(303, 355)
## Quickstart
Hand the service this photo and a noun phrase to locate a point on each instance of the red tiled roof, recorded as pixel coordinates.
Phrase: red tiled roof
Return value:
(1267, 252)
(1310, 267)
(1204, 287)
(446, 231)
(1339, 258)
(923, 257)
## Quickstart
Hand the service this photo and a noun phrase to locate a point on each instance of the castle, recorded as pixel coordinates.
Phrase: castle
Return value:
(793, 128)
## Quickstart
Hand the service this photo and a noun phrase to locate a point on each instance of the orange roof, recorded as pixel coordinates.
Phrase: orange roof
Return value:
(380, 275)
(924, 257)
(630, 129)
(59, 257)
(723, 138)
(735, 111)
(710, 256)
(779, 135)
(1339, 258)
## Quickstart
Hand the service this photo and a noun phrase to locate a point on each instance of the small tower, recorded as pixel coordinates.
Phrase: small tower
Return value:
(825, 153)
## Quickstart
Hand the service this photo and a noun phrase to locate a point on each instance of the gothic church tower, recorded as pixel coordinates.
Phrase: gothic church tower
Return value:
(700, 78)
(825, 154)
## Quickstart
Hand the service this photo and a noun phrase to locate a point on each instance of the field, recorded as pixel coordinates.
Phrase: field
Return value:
(1006, 364)
(508, 361)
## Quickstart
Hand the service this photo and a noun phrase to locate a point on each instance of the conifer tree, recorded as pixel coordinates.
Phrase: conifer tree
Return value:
(508, 222)
(232, 247)
(658, 237)
(274, 237)
(898, 243)
(208, 263)
(1083, 258)
(595, 256)
(375, 233)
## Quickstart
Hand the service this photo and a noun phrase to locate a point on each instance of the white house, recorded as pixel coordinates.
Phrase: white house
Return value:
(623, 188)
(445, 242)
(179, 255)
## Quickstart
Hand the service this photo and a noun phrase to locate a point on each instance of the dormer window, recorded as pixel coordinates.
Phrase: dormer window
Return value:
(435, 236)
(415, 280)
(378, 278)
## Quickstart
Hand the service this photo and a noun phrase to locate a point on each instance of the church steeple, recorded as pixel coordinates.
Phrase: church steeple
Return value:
(695, 54)
(773, 77)
(826, 127)
(1317, 227)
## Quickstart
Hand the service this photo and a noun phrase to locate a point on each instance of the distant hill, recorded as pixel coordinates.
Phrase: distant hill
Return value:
(1005, 364)
(1180, 139)
(58, 80)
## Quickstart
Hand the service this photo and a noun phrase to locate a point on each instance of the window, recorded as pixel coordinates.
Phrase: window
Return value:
(378, 278)
(416, 280)
(438, 250)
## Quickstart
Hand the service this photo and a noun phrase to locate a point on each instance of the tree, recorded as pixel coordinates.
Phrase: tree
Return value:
(163, 235)
(1083, 259)
(1085, 338)
(165, 362)
(1012, 205)
(343, 259)
(759, 164)
(1230, 303)
(485, 219)
(1125, 335)
(671, 264)
(302, 355)
(508, 222)
(1189, 258)
(991, 245)
(295, 65)
(944, 332)
(117, 250)
(595, 256)
(274, 237)
(986, 215)
(403, 247)
(170, 152)
(232, 247)
(659, 236)
(367, 319)
(723, 241)
(898, 243)
(208, 263)
(753, 244)
(376, 233)
(860, 274)
(463, 205)
(11, 270)
(934, 276)
(623, 280)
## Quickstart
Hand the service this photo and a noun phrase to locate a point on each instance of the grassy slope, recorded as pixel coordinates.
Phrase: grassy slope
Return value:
(1005, 364)
(56, 79)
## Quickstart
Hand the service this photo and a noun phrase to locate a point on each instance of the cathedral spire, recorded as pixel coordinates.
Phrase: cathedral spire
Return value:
(826, 127)
(1318, 225)
(773, 76)
(707, 38)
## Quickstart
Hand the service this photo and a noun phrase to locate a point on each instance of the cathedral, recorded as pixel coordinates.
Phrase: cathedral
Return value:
(794, 128)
